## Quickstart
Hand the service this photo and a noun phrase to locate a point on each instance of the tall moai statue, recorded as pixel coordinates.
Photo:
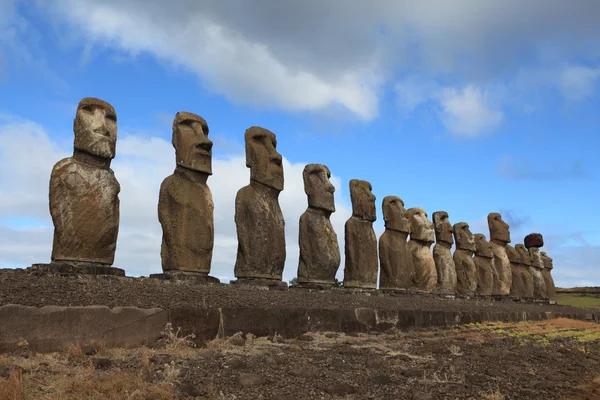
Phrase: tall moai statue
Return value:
(360, 270)
(84, 201)
(499, 238)
(258, 217)
(547, 274)
(319, 249)
(396, 265)
(421, 239)
(466, 272)
(484, 263)
(524, 266)
(442, 254)
(517, 287)
(185, 204)
(533, 242)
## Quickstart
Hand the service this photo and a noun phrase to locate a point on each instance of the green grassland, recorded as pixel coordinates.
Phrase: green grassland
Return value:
(578, 300)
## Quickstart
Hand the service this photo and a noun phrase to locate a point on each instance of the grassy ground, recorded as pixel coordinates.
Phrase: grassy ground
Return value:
(578, 301)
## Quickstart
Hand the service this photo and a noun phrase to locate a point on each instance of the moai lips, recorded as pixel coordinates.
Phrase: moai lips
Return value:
(396, 264)
(360, 270)
(421, 239)
(319, 250)
(442, 254)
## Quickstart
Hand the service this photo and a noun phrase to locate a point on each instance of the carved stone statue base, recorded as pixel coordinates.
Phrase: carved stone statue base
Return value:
(67, 268)
(314, 285)
(196, 277)
(270, 283)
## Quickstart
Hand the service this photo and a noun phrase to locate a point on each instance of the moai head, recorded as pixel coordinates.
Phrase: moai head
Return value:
(394, 214)
(548, 263)
(363, 200)
(483, 248)
(318, 188)
(443, 228)
(464, 237)
(193, 149)
(421, 228)
(523, 254)
(499, 230)
(534, 240)
(262, 158)
(95, 128)
(513, 255)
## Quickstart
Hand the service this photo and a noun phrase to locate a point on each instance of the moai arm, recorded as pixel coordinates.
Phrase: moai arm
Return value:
(57, 193)
(163, 211)
(304, 230)
(384, 257)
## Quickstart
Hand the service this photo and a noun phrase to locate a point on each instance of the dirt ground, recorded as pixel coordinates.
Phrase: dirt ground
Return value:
(20, 287)
(557, 359)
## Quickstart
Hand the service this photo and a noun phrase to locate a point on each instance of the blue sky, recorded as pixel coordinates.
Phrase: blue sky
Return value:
(471, 108)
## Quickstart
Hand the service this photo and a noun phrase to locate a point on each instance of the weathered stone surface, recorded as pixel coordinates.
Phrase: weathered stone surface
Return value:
(84, 202)
(466, 272)
(537, 265)
(524, 263)
(319, 250)
(547, 274)
(421, 239)
(185, 205)
(517, 288)
(442, 254)
(66, 268)
(499, 238)
(396, 265)
(360, 270)
(484, 263)
(534, 240)
(258, 217)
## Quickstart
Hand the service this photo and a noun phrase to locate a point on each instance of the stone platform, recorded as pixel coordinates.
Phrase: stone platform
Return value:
(73, 268)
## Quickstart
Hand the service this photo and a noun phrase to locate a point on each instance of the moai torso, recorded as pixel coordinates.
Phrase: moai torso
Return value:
(84, 202)
(319, 250)
(361, 264)
(466, 272)
(484, 263)
(547, 274)
(396, 265)
(185, 205)
(537, 265)
(524, 264)
(258, 217)
(442, 254)
(421, 239)
(499, 238)
(517, 288)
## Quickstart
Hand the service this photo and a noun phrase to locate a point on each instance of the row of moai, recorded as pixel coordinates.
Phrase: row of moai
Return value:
(84, 206)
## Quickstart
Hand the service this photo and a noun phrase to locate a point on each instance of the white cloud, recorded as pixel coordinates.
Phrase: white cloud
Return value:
(577, 83)
(141, 164)
(466, 111)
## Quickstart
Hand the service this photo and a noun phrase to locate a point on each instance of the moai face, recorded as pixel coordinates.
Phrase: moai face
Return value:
(318, 188)
(363, 200)
(262, 158)
(513, 255)
(499, 230)
(483, 248)
(394, 214)
(421, 228)
(464, 237)
(95, 128)
(523, 254)
(193, 149)
(443, 228)
(548, 263)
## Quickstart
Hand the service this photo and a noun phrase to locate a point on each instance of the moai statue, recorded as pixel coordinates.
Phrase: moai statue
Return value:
(185, 204)
(466, 272)
(442, 255)
(319, 250)
(258, 217)
(360, 270)
(499, 238)
(421, 239)
(484, 262)
(517, 287)
(84, 201)
(547, 274)
(524, 265)
(396, 265)
(533, 242)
